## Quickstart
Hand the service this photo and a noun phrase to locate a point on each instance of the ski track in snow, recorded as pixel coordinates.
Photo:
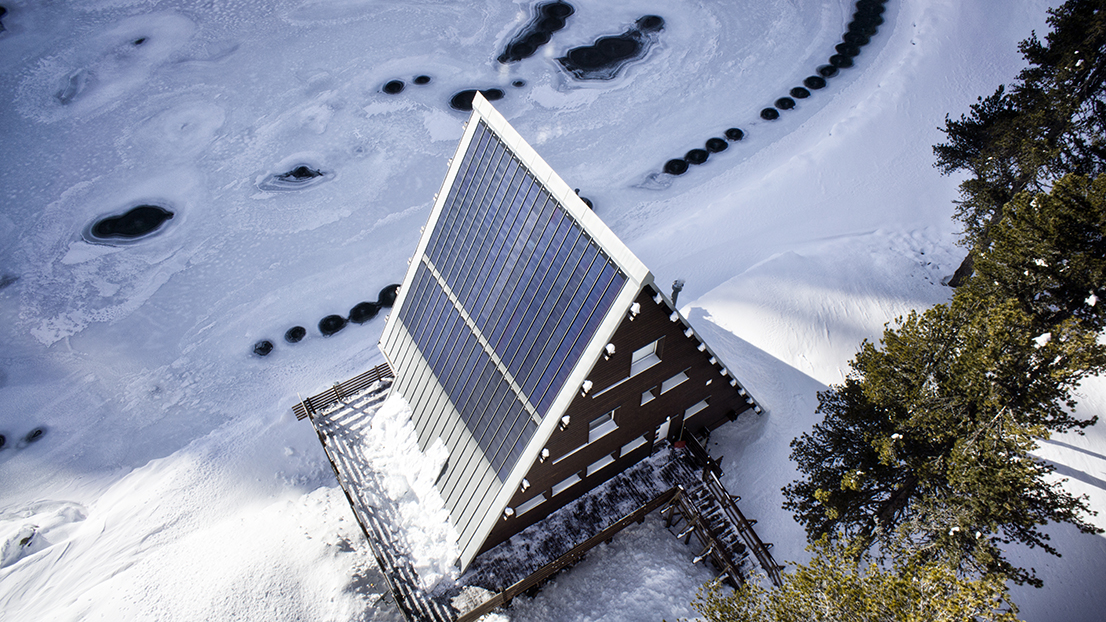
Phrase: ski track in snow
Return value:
(173, 483)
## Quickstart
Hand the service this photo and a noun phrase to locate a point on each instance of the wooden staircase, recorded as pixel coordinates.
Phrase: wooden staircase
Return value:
(709, 513)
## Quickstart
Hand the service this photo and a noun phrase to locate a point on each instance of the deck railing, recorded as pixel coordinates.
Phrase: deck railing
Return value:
(340, 391)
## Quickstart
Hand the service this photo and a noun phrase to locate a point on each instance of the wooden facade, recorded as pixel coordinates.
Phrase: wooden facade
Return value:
(637, 425)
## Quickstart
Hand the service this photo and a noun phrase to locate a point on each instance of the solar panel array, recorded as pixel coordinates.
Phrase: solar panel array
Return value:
(507, 295)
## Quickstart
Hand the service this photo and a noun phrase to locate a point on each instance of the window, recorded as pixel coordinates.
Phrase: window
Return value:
(601, 426)
(599, 464)
(529, 505)
(565, 485)
(673, 382)
(644, 358)
(632, 445)
(696, 408)
(648, 396)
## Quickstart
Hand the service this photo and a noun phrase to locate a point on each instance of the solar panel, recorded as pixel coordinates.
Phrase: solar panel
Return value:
(506, 296)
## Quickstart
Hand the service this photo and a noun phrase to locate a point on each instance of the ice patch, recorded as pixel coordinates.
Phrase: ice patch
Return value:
(98, 71)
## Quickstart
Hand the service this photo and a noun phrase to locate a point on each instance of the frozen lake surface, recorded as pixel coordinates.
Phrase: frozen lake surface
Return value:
(169, 480)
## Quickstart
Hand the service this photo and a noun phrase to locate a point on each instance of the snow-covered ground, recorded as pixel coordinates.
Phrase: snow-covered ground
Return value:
(172, 481)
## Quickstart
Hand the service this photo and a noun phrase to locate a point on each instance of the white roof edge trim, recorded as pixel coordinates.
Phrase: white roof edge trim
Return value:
(634, 269)
(431, 222)
(698, 335)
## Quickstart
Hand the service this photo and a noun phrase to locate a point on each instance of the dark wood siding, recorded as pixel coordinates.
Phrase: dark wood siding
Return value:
(678, 353)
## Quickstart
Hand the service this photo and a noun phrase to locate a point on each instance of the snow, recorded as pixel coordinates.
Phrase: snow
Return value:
(389, 446)
(173, 483)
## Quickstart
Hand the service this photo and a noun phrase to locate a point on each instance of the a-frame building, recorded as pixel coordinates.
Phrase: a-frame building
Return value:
(532, 342)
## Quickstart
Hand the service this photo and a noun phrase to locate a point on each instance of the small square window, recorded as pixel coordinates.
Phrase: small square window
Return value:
(601, 426)
(529, 505)
(644, 358)
(632, 445)
(694, 409)
(673, 382)
(566, 484)
(599, 464)
(648, 396)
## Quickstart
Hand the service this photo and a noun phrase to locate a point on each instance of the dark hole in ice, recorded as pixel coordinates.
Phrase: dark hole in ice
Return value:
(870, 6)
(137, 222)
(841, 61)
(799, 93)
(650, 23)
(463, 100)
(518, 83)
(299, 177)
(300, 173)
(3, 441)
(855, 38)
(603, 59)
(3, 12)
(263, 347)
(331, 324)
(421, 80)
(696, 156)
(7, 279)
(867, 19)
(34, 435)
(557, 9)
(785, 103)
(295, 334)
(714, 145)
(551, 24)
(847, 49)
(387, 296)
(867, 30)
(548, 19)
(393, 87)
(769, 114)
(538, 38)
(734, 134)
(618, 48)
(815, 82)
(521, 49)
(827, 71)
(675, 167)
(139, 41)
(363, 312)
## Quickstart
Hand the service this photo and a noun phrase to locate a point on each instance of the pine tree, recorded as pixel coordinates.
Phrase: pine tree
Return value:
(1049, 253)
(929, 440)
(839, 586)
(1051, 122)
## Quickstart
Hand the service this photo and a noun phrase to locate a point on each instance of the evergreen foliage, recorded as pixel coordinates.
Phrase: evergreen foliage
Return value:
(929, 439)
(836, 586)
(1050, 123)
(925, 451)
(1049, 253)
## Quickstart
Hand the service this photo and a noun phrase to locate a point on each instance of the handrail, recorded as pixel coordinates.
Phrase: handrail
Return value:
(700, 453)
(706, 536)
(745, 528)
(335, 394)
